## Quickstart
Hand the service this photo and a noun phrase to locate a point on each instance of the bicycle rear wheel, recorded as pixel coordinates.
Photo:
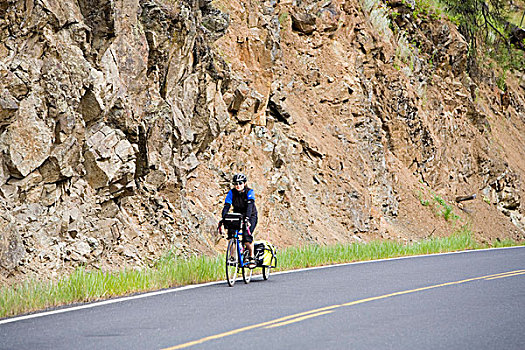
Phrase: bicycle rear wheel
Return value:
(246, 271)
(266, 272)
(232, 262)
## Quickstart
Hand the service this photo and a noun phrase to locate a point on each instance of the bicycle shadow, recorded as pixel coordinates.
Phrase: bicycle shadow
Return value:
(256, 278)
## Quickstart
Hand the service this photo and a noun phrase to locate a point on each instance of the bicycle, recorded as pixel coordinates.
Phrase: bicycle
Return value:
(233, 263)
(235, 250)
(237, 256)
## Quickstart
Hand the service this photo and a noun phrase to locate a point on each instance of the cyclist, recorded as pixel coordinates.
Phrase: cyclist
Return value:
(243, 200)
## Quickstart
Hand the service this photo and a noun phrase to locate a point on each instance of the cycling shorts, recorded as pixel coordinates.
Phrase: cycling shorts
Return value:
(246, 238)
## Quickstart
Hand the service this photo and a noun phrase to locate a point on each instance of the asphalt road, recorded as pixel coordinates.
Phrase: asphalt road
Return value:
(471, 300)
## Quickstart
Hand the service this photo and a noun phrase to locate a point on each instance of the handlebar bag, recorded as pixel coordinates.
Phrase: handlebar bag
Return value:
(232, 221)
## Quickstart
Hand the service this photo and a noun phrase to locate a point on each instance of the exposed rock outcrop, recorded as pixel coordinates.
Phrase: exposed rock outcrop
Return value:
(121, 123)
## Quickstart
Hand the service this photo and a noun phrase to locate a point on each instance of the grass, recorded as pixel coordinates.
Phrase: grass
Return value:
(86, 286)
(315, 255)
(379, 16)
(405, 51)
(170, 271)
(380, 20)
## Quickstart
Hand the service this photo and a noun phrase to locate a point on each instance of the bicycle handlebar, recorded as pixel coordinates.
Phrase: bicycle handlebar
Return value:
(219, 228)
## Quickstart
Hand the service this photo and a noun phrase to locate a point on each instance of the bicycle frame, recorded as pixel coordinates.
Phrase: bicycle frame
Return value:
(239, 250)
(238, 245)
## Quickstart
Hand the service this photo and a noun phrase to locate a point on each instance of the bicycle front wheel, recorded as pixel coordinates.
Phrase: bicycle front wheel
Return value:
(232, 262)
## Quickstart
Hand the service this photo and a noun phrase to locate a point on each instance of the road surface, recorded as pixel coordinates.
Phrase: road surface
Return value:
(468, 300)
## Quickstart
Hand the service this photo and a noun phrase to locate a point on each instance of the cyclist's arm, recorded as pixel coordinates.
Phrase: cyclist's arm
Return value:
(227, 204)
(226, 209)
(251, 203)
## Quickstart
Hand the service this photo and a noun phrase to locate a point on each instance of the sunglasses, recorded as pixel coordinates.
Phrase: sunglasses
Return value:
(236, 183)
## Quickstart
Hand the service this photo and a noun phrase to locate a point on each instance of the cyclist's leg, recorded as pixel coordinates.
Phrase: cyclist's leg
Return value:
(253, 224)
(247, 239)
(231, 234)
(248, 243)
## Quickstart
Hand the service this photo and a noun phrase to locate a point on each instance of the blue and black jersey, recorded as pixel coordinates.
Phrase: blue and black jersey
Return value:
(242, 202)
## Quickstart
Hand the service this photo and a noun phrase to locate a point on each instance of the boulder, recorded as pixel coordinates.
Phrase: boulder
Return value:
(12, 249)
(28, 139)
(63, 160)
(99, 16)
(303, 22)
(4, 172)
(250, 107)
(458, 54)
(329, 18)
(509, 198)
(240, 94)
(278, 107)
(90, 107)
(215, 21)
(15, 86)
(83, 248)
(109, 158)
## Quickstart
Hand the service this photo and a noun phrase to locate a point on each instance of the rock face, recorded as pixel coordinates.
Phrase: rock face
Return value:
(122, 122)
(102, 104)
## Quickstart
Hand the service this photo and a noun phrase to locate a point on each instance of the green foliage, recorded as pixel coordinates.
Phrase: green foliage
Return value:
(446, 209)
(456, 19)
(501, 81)
(85, 286)
(283, 18)
(394, 14)
(439, 206)
(424, 202)
(421, 10)
(396, 65)
(484, 23)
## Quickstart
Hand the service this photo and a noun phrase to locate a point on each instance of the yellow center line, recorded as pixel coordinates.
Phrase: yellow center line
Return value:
(329, 309)
(507, 275)
(298, 319)
(244, 329)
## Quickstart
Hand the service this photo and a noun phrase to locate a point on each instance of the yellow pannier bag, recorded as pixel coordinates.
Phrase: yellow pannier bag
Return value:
(265, 254)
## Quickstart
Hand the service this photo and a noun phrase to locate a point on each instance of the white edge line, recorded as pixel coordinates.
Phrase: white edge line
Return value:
(105, 302)
(193, 286)
(397, 258)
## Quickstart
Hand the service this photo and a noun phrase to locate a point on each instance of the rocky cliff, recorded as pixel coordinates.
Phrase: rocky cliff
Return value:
(122, 122)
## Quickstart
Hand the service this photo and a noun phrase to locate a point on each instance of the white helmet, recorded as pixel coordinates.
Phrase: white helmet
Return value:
(239, 179)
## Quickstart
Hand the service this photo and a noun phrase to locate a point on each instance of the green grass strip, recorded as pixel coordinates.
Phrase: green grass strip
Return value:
(170, 271)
